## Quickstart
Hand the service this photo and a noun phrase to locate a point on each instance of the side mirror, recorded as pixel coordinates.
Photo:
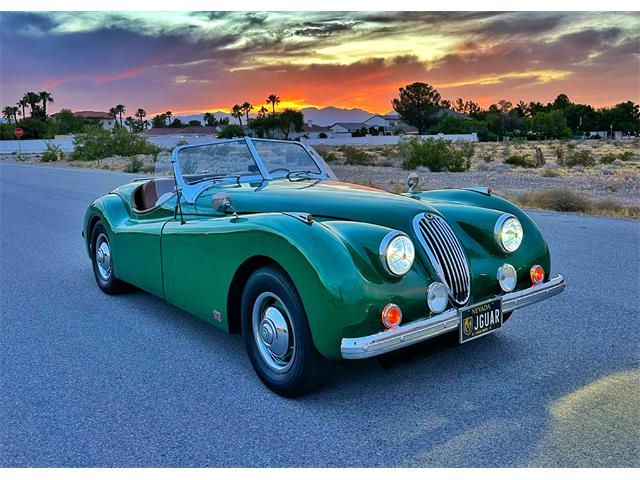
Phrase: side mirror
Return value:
(221, 204)
(412, 181)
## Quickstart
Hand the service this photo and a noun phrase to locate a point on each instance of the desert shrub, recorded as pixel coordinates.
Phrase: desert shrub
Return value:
(355, 156)
(626, 156)
(520, 161)
(560, 199)
(548, 172)
(322, 135)
(560, 153)
(608, 158)
(487, 157)
(467, 149)
(579, 157)
(52, 153)
(438, 155)
(97, 143)
(134, 165)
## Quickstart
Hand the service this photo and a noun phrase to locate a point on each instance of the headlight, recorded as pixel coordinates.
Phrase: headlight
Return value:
(437, 297)
(508, 233)
(397, 253)
(507, 277)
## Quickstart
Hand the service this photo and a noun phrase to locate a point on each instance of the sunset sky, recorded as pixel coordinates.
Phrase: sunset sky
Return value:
(194, 62)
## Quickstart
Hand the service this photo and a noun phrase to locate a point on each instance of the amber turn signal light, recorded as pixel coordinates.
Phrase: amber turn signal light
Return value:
(537, 274)
(391, 315)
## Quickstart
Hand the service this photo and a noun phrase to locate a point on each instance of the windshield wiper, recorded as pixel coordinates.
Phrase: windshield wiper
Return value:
(303, 174)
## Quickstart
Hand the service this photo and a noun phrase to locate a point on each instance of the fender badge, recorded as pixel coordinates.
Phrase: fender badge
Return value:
(217, 316)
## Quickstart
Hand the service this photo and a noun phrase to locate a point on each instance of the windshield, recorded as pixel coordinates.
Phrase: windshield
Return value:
(280, 158)
(227, 159)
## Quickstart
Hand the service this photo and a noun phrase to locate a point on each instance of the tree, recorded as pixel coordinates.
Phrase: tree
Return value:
(237, 112)
(561, 102)
(548, 125)
(452, 125)
(159, 121)
(67, 123)
(273, 100)
(231, 131)
(288, 120)
(22, 103)
(121, 111)
(210, 120)
(131, 123)
(247, 107)
(113, 113)
(623, 117)
(417, 105)
(522, 109)
(168, 115)
(263, 111)
(33, 99)
(10, 113)
(45, 97)
(140, 114)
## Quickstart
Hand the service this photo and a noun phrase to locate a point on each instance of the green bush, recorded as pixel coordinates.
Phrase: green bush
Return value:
(98, 143)
(322, 135)
(52, 153)
(520, 161)
(134, 165)
(231, 131)
(608, 158)
(626, 156)
(579, 157)
(355, 156)
(438, 155)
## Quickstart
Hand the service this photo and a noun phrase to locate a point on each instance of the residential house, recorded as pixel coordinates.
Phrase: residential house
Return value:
(346, 128)
(390, 123)
(313, 131)
(105, 120)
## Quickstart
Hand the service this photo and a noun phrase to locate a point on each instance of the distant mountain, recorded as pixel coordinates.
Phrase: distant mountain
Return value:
(318, 116)
(329, 115)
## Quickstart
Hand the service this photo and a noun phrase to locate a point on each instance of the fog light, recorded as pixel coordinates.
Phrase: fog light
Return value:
(537, 274)
(391, 315)
(507, 277)
(437, 297)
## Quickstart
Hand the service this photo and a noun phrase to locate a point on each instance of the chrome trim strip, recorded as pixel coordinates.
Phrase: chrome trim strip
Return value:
(449, 320)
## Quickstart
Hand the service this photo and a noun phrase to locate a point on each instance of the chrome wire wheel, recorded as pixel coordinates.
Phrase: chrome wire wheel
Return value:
(273, 332)
(103, 257)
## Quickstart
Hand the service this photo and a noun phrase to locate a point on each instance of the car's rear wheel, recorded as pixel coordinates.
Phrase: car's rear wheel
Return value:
(102, 259)
(277, 334)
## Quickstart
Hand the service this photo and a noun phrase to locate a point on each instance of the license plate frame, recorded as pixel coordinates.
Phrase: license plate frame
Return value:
(482, 319)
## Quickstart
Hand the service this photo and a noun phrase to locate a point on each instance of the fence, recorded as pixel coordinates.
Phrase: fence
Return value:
(170, 141)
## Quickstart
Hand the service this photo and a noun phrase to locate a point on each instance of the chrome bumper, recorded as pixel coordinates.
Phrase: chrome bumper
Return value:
(449, 320)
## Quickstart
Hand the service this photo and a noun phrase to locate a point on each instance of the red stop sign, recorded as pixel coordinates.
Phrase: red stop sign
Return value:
(18, 132)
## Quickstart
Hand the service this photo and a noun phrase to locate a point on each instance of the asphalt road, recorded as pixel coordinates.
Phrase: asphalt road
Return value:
(92, 380)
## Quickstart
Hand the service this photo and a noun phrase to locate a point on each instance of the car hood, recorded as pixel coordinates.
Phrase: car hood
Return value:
(328, 198)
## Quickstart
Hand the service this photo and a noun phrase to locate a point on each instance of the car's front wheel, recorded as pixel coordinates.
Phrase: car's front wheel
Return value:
(102, 259)
(277, 334)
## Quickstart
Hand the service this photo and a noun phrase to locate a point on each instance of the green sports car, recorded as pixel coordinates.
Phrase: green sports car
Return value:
(257, 236)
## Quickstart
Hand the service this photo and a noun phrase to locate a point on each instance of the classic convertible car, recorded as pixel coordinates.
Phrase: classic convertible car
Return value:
(257, 236)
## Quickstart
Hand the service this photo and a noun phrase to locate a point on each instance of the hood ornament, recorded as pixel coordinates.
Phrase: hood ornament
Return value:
(412, 181)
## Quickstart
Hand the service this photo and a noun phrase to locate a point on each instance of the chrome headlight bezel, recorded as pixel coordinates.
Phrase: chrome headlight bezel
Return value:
(391, 243)
(505, 223)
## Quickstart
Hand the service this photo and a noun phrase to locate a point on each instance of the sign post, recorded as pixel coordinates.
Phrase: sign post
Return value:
(18, 132)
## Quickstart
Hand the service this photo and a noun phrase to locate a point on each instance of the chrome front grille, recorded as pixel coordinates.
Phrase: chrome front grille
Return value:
(445, 253)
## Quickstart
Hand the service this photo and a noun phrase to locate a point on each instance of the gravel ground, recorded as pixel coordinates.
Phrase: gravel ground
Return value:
(624, 188)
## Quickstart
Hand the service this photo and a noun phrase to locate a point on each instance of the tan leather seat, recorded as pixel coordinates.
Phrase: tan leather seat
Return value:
(152, 190)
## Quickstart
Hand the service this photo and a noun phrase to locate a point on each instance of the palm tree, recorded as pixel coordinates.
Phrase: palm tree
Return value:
(45, 97)
(237, 111)
(9, 113)
(168, 116)
(33, 99)
(210, 119)
(247, 107)
(121, 111)
(273, 100)
(130, 122)
(22, 103)
(141, 113)
(113, 113)
(263, 111)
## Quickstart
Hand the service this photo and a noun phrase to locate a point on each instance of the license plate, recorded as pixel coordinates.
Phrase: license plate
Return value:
(479, 320)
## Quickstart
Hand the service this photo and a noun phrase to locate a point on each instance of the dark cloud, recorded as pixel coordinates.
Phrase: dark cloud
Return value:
(320, 29)
(521, 24)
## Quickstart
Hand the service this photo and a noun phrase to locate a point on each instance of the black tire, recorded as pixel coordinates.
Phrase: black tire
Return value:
(304, 368)
(107, 282)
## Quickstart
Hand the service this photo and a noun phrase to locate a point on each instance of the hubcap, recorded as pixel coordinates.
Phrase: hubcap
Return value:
(103, 257)
(273, 333)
